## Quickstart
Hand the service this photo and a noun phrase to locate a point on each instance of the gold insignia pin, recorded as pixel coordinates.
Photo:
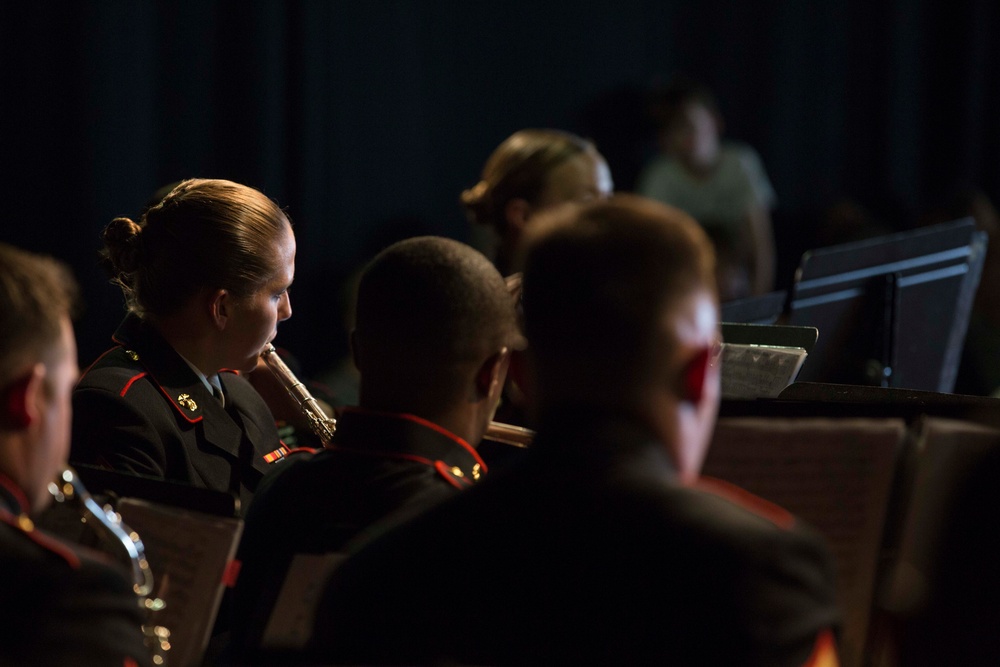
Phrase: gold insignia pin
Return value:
(477, 472)
(132, 354)
(187, 402)
(457, 472)
(25, 523)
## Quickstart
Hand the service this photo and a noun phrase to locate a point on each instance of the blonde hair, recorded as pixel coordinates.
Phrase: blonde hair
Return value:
(204, 233)
(519, 168)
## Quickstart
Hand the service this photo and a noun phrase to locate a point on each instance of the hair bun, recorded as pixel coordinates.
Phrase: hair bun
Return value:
(477, 203)
(121, 242)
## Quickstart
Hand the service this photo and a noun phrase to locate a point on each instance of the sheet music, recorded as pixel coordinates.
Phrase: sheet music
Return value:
(188, 553)
(758, 371)
(291, 620)
(836, 475)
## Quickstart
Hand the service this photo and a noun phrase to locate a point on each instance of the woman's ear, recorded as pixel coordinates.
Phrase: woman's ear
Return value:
(517, 212)
(219, 306)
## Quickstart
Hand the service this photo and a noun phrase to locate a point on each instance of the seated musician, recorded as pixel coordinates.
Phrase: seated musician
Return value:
(205, 273)
(434, 329)
(603, 546)
(529, 172)
(61, 605)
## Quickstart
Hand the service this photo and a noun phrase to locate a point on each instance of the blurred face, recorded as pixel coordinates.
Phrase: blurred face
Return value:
(695, 328)
(51, 433)
(694, 136)
(583, 178)
(254, 320)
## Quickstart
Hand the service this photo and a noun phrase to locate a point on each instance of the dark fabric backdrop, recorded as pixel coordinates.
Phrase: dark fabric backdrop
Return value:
(367, 119)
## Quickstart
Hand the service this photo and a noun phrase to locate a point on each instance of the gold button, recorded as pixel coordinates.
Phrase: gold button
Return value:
(477, 472)
(26, 524)
(457, 472)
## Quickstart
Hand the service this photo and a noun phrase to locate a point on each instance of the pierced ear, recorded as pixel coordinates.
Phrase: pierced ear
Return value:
(694, 377)
(219, 306)
(492, 373)
(20, 399)
(517, 211)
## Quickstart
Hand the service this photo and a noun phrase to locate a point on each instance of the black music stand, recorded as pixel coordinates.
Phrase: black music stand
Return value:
(891, 311)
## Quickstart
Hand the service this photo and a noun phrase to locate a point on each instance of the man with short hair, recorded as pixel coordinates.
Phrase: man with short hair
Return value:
(435, 325)
(61, 605)
(602, 547)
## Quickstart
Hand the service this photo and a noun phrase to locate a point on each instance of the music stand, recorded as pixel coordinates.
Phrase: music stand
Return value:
(891, 311)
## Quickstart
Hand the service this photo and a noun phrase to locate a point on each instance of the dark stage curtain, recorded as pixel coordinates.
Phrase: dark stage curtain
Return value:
(367, 119)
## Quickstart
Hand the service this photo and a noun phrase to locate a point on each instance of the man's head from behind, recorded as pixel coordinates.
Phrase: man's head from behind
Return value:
(38, 369)
(434, 327)
(620, 308)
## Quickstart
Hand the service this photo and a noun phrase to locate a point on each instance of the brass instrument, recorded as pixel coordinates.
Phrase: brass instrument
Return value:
(508, 434)
(108, 524)
(321, 424)
(324, 426)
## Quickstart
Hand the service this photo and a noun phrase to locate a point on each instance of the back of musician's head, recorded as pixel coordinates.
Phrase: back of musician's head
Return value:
(598, 282)
(520, 168)
(428, 309)
(37, 295)
(205, 233)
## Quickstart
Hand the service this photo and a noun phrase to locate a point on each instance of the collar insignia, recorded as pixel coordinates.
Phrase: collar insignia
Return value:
(187, 402)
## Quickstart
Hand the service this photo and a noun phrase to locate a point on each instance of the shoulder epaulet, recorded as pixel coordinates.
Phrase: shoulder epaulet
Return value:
(26, 527)
(456, 476)
(765, 509)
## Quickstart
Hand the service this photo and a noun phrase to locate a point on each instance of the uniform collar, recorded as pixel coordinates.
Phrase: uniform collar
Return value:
(587, 436)
(401, 433)
(12, 497)
(184, 388)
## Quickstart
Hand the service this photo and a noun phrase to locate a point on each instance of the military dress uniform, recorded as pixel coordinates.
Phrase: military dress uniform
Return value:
(141, 409)
(381, 464)
(589, 551)
(61, 605)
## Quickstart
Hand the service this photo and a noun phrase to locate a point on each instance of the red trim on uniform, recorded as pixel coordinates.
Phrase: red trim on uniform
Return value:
(386, 455)
(423, 422)
(129, 662)
(43, 540)
(15, 490)
(128, 385)
(764, 508)
(232, 573)
(824, 652)
(445, 471)
(229, 370)
(179, 408)
(301, 450)
(104, 354)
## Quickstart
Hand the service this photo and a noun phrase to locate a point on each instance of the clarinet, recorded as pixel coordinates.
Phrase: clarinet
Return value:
(321, 424)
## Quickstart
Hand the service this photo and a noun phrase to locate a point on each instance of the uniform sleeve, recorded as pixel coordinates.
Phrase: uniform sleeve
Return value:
(112, 433)
(54, 614)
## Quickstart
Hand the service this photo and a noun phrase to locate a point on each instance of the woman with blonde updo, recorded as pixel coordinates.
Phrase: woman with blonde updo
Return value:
(531, 171)
(205, 274)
